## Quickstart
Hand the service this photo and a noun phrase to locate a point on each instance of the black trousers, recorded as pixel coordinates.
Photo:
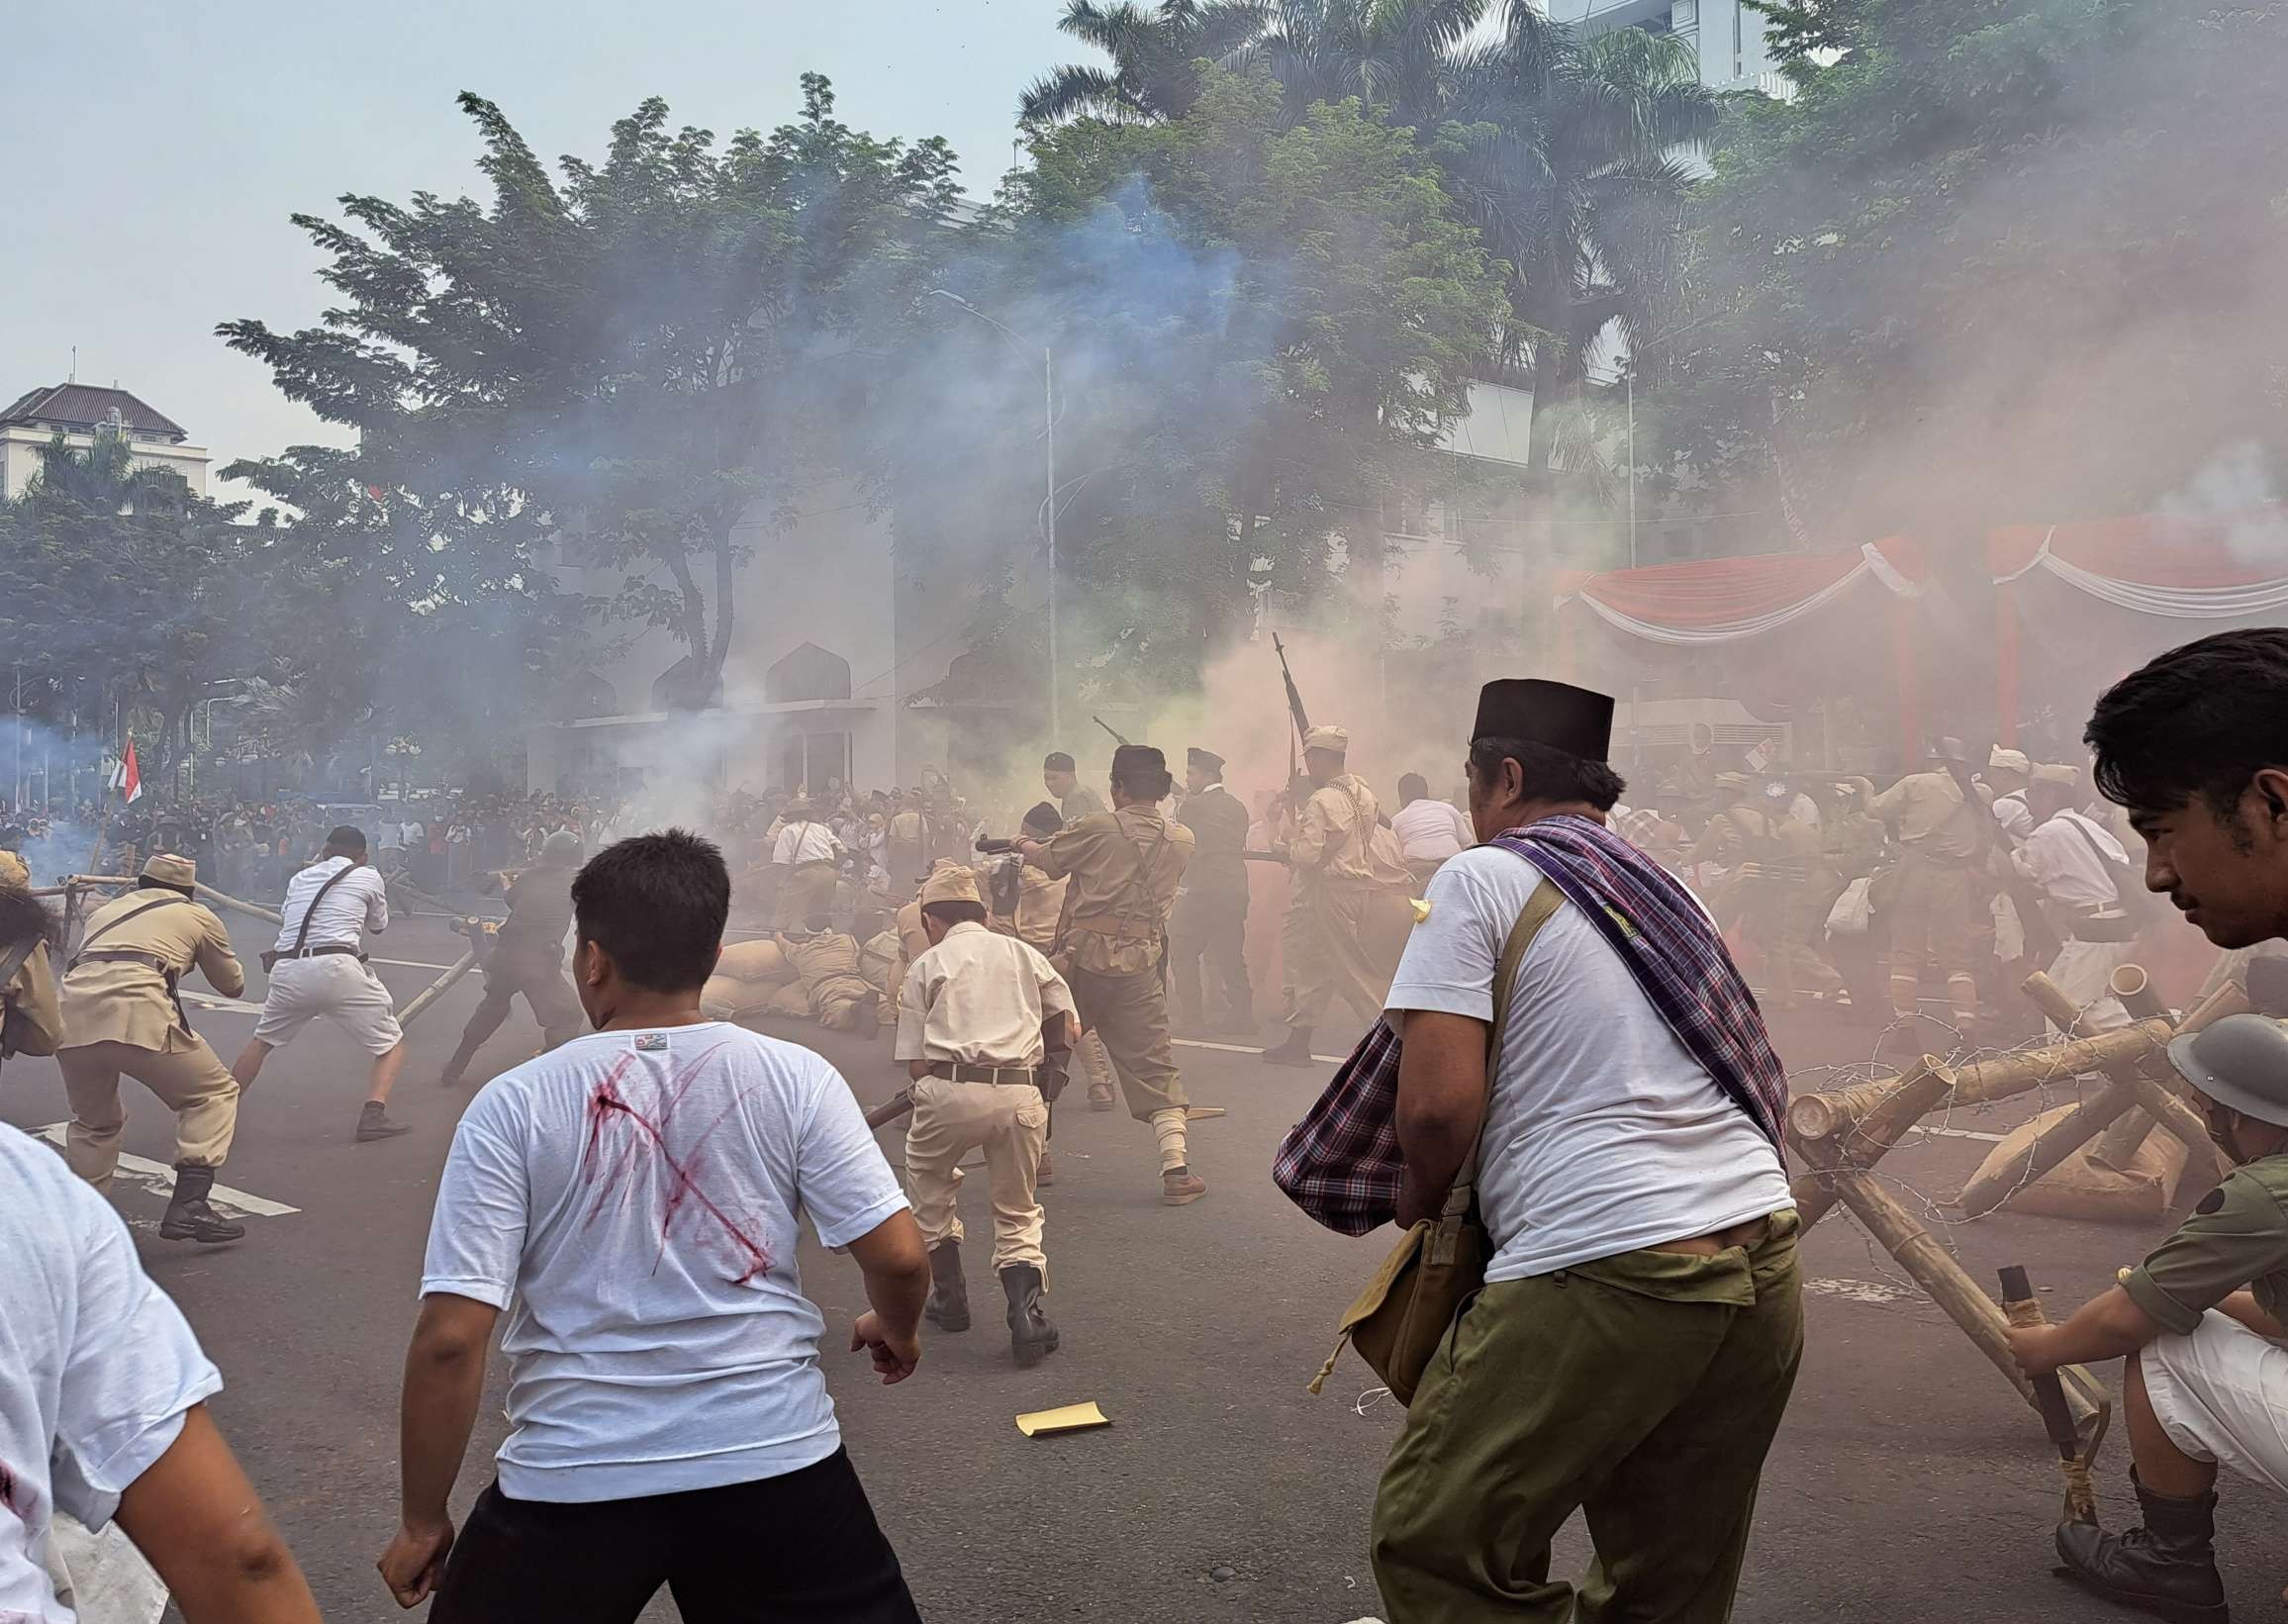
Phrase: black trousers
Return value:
(780, 1551)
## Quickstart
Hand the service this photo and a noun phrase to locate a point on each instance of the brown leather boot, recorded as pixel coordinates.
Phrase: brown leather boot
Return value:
(2165, 1568)
(1032, 1338)
(1180, 1186)
(1296, 1051)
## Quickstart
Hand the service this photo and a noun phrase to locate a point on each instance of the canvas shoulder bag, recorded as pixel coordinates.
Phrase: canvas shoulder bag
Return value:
(1403, 1315)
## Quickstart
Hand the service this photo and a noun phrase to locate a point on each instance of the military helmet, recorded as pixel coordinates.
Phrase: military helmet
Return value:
(2239, 1062)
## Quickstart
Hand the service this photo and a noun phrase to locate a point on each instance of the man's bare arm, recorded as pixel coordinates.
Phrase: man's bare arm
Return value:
(198, 1521)
(1441, 1101)
(444, 1376)
(895, 1265)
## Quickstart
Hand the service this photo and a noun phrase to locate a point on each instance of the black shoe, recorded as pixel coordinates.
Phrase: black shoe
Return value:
(2165, 1568)
(948, 1304)
(1296, 1051)
(1031, 1337)
(375, 1123)
(189, 1217)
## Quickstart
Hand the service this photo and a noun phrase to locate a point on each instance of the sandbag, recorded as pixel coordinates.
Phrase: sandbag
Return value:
(2079, 1188)
(753, 961)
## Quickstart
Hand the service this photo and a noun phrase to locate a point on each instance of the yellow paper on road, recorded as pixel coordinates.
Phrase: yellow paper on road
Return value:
(1072, 1418)
(1202, 1113)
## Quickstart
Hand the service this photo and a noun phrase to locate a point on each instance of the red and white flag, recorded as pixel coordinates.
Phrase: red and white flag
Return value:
(126, 778)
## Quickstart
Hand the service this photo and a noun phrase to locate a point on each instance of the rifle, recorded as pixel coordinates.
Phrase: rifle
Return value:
(1294, 699)
(1109, 728)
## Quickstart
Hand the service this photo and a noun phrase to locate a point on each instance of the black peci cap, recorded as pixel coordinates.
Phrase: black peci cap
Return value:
(1208, 761)
(1138, 758)
(1556, 713)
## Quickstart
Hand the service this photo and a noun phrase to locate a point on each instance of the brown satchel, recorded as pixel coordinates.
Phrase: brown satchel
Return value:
(1405, 1313)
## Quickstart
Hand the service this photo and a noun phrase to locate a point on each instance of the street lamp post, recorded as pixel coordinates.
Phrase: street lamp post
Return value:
(1049, 504)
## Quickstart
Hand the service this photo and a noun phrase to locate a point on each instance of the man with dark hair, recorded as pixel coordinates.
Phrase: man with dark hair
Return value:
(984, 1026)
(1062, 780)
(658, 1422)
(122, 1015)
(1635, 1343)
(1209, 925)
(318, 969)
(2194, 744)
(528, 957)
(1125, 866)
(1429, 831)
(31, 1021)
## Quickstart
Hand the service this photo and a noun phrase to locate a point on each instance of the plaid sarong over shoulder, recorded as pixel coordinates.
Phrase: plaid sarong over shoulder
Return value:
(1341, 1163)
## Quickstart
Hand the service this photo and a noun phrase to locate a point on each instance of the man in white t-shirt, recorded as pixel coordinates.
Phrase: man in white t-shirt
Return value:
(1638, 1332)
(632, 1201)
(318, 969)
(1429, 831)
(102, 1415)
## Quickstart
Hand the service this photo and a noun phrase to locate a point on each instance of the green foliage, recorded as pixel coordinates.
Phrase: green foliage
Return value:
(1155, 52)
(2037, 244)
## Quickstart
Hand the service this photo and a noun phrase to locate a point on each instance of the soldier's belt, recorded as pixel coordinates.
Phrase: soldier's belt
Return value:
(961, 1071)
(1116, 931)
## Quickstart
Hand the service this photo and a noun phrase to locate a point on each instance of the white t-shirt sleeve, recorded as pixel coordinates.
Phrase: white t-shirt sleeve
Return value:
(1447, 965)
(133, 1370)
(376, 901)
(841, 1176)
(476, 1242)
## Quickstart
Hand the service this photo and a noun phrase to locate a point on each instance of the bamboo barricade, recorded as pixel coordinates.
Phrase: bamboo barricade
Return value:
(1837, 1137)
(419, 1004)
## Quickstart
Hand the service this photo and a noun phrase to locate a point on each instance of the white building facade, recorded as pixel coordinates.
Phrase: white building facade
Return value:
(77, 411)
(1726, 35)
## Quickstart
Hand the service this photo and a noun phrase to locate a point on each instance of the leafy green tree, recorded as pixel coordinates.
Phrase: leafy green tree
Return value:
(1154, 52)
(1260, 327)
(631, 361)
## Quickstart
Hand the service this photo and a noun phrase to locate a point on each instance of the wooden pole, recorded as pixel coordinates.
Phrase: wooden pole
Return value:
(1857, 1126)
(1933, 1269)
(2077, 1127)
(436, 990)
(2008, 1074)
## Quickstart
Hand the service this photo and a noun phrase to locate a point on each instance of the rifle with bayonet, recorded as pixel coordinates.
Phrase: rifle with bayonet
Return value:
(1295, 700)
(1118, 737)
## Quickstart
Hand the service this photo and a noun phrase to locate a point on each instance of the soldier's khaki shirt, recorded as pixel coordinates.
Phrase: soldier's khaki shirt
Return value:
(118, 1000)
(1927, 809)
(32, 994)
(981, 997)
(1118, 912)
(1332, 837)
(1040, 904)
(2235, 1236)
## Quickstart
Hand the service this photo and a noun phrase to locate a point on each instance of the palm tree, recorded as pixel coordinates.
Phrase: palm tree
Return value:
(1152, 51)
(1396, 56)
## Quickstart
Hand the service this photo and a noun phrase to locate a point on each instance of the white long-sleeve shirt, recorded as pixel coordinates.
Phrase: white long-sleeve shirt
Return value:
(2058, 858)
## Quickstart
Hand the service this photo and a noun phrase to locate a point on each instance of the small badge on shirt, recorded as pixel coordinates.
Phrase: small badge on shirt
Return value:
(650, 1043)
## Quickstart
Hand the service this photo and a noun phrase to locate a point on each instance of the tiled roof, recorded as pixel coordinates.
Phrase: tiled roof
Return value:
(84, 406)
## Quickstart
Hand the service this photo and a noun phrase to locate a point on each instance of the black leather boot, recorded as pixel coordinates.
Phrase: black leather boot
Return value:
(1296, 1051)
(188, 1216)
(1031, 1337)
(2166, 1567)
(948, 1304)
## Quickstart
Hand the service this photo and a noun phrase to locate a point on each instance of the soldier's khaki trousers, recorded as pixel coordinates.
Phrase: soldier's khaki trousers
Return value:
(1328, 953)
(1012, 1124)
(196, 1085)
(1641, 1388)
(1130, 1015)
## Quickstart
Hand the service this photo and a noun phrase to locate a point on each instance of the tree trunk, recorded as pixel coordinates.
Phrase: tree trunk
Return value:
(726, 610)
(691, 694)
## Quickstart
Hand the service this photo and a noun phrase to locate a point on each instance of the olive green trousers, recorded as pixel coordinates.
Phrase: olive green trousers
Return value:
(1642, 1390)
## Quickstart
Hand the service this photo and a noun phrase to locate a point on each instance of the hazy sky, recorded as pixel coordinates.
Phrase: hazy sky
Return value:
(158, 149)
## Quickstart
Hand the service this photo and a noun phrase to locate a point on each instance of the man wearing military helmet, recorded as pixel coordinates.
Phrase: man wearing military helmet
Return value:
(2193, 745)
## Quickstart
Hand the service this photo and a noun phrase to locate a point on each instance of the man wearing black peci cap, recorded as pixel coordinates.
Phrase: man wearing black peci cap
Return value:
(1635, 1343)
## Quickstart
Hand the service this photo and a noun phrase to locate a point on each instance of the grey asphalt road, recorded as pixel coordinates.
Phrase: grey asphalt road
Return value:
(1908, 1484)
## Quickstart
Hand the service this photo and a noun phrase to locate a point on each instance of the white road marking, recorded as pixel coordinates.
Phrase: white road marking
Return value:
(1859, 1291)
(1243, 1049)
(411, 964)
(159, 1180)
(215, 1000)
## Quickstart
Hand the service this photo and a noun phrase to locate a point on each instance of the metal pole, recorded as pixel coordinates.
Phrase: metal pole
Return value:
(20, 733)
(1631, 376)
(1049, 525)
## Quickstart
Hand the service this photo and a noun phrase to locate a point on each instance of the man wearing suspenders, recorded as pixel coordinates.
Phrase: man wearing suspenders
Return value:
(122, 1015)
(319, 969)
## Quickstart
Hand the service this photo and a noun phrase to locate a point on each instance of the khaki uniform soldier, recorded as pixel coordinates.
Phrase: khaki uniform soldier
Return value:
(1209, 925)
(1938, 892)
(983, 1024)
(122, 1015)
(1770, 858)
(1041, 906)
(1062, 780)
(30, 1020)
(1336, 879)
(833, 988)
(1125, 866)
(529, 957)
